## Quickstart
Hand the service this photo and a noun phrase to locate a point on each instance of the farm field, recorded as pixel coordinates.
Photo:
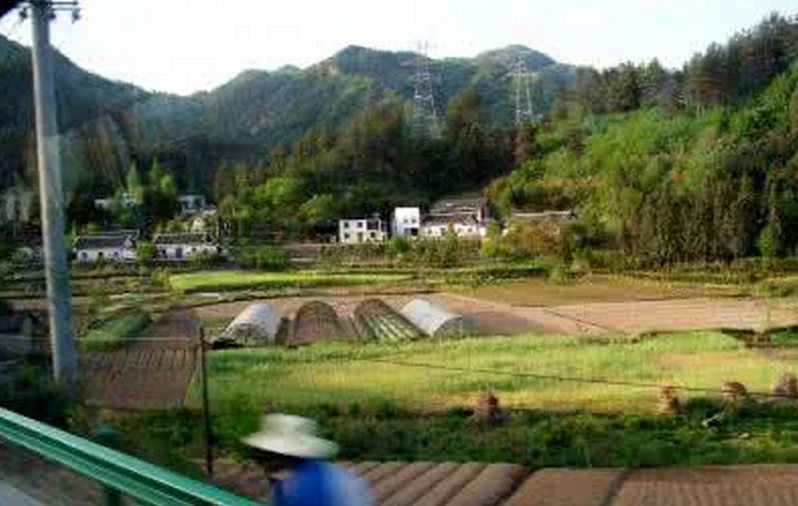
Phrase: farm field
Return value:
(595, 288)
(367, 376)
(238, 280)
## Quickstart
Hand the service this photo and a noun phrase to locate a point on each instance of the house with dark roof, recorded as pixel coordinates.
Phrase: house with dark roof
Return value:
(115, 246)
(183, 246)
(467, 216)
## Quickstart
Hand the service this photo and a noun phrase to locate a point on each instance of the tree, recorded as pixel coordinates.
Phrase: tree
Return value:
(145, 252)
(133, 185)
(744, 218)
(654, 83)
(589, 90)
(159, 200)
(623, 89)
(527, 146)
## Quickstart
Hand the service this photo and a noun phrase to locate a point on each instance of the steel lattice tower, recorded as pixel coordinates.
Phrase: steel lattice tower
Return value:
(424, 122)
(520, 79)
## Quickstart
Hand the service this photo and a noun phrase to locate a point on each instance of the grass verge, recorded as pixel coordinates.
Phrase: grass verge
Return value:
(239, 280)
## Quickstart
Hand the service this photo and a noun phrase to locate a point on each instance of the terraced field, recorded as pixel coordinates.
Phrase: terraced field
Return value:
(153, 373)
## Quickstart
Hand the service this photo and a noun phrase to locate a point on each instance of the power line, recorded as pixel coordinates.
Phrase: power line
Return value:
(567, 379)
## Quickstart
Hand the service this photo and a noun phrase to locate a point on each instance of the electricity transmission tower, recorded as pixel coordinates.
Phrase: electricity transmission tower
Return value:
(59, 303)
(520, 79)
(424, 121)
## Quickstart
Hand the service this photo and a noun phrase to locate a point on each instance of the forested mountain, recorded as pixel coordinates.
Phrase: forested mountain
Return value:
(699, 164)
(83, 99)
(106, 124)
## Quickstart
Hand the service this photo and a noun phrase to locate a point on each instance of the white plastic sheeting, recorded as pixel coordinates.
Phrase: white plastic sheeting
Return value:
(436, 321)
(257, 325)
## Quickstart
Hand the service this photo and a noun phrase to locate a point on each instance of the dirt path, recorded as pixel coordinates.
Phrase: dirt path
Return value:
(152, 373)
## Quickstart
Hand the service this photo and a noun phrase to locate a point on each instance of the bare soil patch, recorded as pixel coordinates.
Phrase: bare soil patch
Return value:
(590, 289)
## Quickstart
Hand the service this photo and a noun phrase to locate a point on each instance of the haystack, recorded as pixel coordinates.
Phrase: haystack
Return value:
(488, 412)
(785, 386)
(735, 393)
(668, 401)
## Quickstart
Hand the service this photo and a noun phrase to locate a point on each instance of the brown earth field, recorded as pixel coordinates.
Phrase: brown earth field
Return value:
(629, 315)
(152, 373)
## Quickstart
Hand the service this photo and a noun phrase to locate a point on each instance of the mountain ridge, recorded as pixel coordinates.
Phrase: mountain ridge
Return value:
(105, 123)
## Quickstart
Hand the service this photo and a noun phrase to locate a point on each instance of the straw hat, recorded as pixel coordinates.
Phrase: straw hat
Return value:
(291, 435)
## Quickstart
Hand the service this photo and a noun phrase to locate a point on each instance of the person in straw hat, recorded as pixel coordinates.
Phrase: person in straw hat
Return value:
(311, 480)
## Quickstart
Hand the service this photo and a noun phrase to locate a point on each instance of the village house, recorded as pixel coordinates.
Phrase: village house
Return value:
(466, 227)
(406, 222)
(361, 231)
(117, 246)
(183, 246)
(466, 217)
(16, 205)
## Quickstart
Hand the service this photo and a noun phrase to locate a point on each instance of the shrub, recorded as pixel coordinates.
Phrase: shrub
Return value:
(205, 260)
(267, 257)
(145, 252)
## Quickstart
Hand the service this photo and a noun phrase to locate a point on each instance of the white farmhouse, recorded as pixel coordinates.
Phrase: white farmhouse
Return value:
(183, 246)
(467, 217)
(406, 222)
(16, 205)
(110, 247)
(465, 227)
(361, 231)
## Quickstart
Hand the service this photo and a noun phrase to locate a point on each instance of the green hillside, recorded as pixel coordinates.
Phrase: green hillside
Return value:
(106, 124)
(714, 177)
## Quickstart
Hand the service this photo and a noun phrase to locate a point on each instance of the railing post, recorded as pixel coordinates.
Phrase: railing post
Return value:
(107, 436)
(206, 410)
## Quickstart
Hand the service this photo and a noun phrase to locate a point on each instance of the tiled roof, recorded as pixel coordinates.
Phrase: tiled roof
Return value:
(457, 219)
(102, 241)
(456, 205)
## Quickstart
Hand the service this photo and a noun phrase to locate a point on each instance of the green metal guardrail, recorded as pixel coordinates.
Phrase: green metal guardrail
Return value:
(113, 469)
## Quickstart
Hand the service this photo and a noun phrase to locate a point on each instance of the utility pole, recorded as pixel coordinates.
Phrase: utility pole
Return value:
(59, 304)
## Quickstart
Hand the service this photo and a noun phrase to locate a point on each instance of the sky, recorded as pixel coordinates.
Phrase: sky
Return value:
(184, 46)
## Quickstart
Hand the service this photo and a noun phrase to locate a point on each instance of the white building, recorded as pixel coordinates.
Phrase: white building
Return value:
(16, 205)
(463, 226)
(191, 204)
(361, 231)
(124, 201)
(183, 246)
(467, 217)
(112, 247)
(406, 222)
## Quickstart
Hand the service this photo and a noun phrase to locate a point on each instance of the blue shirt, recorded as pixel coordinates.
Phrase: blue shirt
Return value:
(317, 483)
